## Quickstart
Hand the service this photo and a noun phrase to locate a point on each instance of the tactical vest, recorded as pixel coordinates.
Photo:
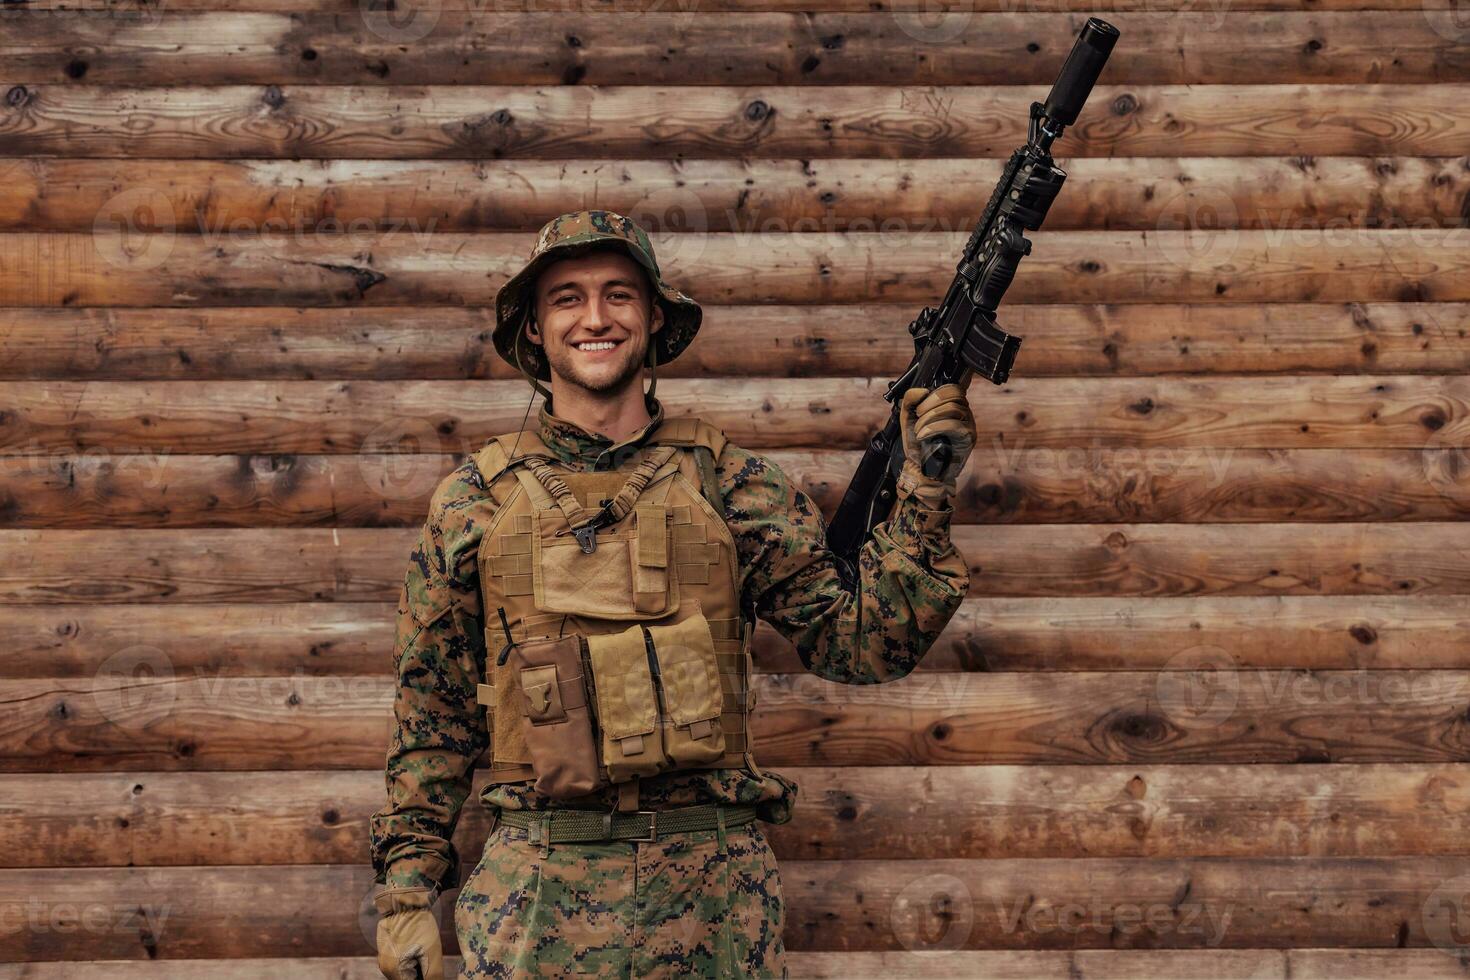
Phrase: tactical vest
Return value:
(662, 560)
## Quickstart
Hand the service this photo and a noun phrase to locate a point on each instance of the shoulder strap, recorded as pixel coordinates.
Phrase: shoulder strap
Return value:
(707, 442)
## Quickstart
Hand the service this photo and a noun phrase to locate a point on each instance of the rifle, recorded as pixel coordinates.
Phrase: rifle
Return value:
(960, 337)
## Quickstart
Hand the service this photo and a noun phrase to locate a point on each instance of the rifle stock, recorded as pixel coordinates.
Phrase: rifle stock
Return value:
(960, 338)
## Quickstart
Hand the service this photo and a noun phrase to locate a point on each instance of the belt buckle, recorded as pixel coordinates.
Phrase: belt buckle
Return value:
(652, 837)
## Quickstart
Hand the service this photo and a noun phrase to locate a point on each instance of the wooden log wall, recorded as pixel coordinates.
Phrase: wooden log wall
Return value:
(1207, 709)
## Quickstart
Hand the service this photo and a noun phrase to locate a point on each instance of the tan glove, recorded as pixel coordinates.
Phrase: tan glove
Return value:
(927, 417)
(408, 935)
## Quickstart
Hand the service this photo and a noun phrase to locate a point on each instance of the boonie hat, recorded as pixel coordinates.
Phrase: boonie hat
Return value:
(516, 299)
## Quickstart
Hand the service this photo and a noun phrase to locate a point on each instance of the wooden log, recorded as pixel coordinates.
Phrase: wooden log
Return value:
(393, 343)
(207, 197)
(165, 914)
(986, 635)
(675, 122)
(125, 9)
(367, 564)
(146, 819)
(1028, 486)
(418, 420)
(1095, 964)
(141, 715)
(496, 47)
(1300, 264)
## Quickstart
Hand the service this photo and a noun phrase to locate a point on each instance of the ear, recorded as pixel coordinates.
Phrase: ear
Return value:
(656, 323)
(533, 333)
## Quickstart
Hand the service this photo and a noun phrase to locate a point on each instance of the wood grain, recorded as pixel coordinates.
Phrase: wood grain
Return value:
(987, 634)
(117, 267)
(140, 714)
(418, 421)
(674, 122)
(146, 819)
(1077, 485)
(1152, 194)
(1062, 904)
(811, 341)
(493, 46)
(1095, 964)
(1147, 560)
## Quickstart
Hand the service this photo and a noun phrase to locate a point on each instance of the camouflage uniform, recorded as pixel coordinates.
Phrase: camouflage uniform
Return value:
(706, 902)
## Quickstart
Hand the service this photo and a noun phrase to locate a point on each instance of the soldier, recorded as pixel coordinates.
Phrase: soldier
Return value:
(580, 603)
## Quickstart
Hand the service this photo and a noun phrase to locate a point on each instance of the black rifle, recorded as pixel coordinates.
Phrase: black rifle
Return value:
(961, 336)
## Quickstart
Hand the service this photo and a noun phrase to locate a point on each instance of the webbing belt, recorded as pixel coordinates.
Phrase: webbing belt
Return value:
(640, 825)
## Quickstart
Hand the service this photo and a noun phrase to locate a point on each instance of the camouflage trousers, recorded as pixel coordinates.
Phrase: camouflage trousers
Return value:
(705, 903)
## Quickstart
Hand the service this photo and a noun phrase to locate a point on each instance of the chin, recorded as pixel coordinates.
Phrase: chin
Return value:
(603, 383)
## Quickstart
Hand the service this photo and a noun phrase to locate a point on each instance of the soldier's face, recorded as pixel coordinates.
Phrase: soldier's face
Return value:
(587, 303)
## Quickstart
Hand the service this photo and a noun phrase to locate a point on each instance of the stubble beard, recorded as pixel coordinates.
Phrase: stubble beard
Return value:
(564, 362)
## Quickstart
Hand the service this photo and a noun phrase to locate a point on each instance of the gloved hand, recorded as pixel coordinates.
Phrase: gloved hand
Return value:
(408, 935)
(925, 418)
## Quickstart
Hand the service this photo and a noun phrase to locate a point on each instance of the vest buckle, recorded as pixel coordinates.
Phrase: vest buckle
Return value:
(586, 537)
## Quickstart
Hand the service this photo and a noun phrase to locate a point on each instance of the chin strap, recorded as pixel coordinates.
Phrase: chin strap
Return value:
(652, 369)
(530, 375)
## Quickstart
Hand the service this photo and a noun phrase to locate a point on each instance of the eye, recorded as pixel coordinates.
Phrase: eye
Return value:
(622, 294)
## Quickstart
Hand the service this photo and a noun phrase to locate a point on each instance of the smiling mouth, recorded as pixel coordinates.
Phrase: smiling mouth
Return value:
(598, 347)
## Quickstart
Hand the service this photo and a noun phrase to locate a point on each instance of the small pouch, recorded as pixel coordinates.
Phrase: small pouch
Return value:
(689, 675)
(627, 705)
(557, 722)
(651, 559)
(567, 579)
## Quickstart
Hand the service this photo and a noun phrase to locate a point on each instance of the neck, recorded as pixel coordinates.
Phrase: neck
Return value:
(613, 415)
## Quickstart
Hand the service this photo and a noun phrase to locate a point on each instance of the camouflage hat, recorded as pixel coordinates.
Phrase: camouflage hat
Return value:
(561, 235)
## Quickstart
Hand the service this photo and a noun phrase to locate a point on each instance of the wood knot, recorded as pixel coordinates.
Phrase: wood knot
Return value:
(1125, 104)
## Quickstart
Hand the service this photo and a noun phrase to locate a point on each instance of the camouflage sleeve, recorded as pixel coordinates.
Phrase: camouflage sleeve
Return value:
(912, 579)
(440, 729)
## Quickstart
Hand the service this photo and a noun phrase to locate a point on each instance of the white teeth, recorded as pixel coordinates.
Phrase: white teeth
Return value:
(603, 345)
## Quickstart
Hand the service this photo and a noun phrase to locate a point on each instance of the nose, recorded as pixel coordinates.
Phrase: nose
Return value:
(597, 314)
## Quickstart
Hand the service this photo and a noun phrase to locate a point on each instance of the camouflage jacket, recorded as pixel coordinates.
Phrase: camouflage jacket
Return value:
(912, 582)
